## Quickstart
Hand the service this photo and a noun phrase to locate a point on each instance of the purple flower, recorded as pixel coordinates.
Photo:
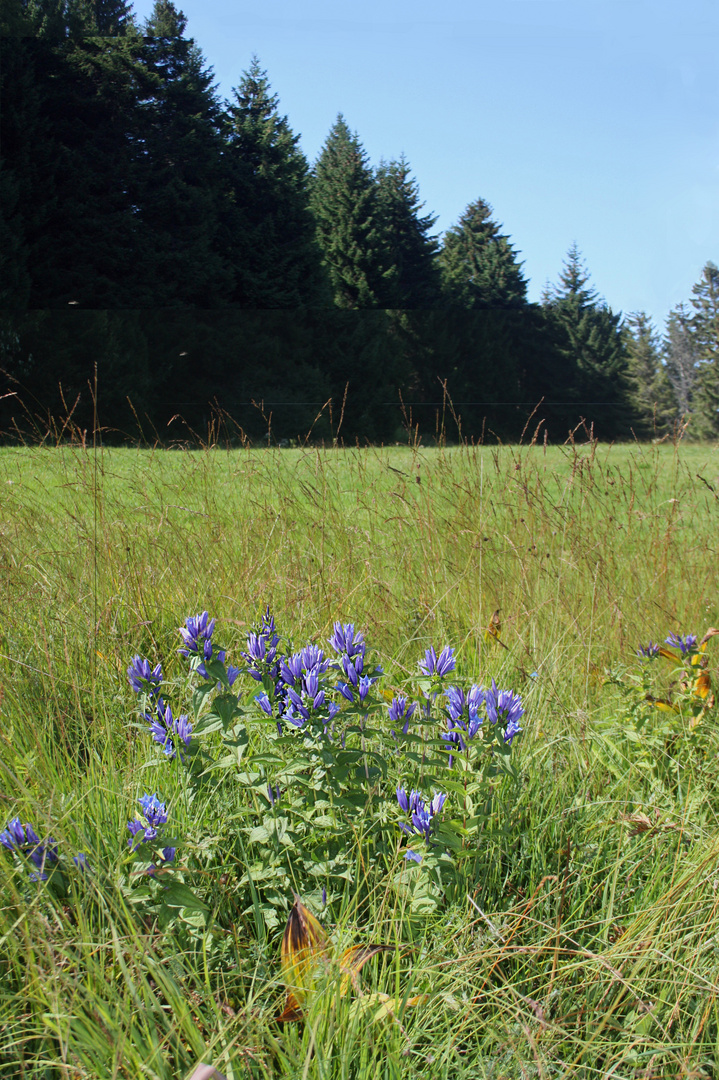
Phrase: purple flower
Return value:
(273, 794)
(648, 652)
(684, 644)
(421, 813)
(437, 665)
(401, 713)
(169, 731)
(81, 862)
(197, 636)
(155, 815)
(345, 640)
(23, 840)
(412, 856)
(505, 707)
(264, 702)
(144, 678)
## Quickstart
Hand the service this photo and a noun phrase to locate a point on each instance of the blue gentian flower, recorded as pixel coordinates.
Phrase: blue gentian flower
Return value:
(197, 636)
(684, 644)
(437, 665)
(169, 731)
(23, 840)
(345, 640)
(505, 707)
(142, 677)
(401, 713)
(412, 856)
(421, 813)
(648, 652)
(155, 815)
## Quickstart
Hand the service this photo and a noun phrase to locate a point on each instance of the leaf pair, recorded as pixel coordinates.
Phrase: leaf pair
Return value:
(306, 945)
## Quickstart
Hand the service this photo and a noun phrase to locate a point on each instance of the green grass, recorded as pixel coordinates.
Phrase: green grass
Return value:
(572, 948)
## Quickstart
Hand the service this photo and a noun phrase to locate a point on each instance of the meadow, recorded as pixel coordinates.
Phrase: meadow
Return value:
(562, 916)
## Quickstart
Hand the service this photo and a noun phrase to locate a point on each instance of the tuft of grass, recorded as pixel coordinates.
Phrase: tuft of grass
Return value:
(575, 945)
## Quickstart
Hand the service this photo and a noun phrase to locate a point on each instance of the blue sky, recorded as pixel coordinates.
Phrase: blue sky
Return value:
(587, 121)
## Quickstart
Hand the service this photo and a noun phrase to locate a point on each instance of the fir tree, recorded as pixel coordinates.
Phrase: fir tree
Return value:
(178, 193)
(588, 337)
(680, 357)
(270, 232)
(344, 204)
(705, 328)
(478, 263)
(411, 280)
(650, 392)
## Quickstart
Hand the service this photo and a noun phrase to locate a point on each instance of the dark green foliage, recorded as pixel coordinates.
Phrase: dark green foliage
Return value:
(680, 357)
(479, 265)
(344, 202)
(588, 339)
(412, 280)
(178, 192)
(270, 241)
(650, 392)
(705, 329)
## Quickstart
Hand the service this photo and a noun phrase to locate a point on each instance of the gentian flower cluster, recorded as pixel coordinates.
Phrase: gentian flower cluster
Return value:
(437, 666)
(301, 693)
(351, 650)
(463, 719)
(154, 813)
(401, 713)
(197, 636)
(172, 733)
(648, 652)
(504, 707)
(143, 678)
(421, 812)
(23, 840)
(684, 644)
(261, 654)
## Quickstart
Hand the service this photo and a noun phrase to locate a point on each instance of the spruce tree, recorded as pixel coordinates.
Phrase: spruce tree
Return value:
(681, 357)
(478, 263)
(344, 204)
(270, 231)
(178, 192)
(705, 328)
(588, 337)
(650, 393)
(411, 280)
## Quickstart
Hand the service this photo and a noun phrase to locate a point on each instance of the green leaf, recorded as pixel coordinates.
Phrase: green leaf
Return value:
(178, 895)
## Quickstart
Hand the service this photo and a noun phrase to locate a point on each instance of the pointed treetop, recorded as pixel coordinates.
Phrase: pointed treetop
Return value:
(166, 20)
(573, 282)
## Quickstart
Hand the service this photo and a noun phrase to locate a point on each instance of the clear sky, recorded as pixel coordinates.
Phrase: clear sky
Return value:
(587, 121)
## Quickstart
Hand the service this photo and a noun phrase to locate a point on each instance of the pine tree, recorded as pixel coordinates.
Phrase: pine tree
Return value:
(412, 279)
(588, 337)
(705, 328)
(478, 263)
(270, 231)
(681, 357)
(344, 203)
(650, 392)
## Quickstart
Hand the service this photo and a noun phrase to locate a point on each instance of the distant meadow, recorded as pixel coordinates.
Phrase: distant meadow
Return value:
(336, 763)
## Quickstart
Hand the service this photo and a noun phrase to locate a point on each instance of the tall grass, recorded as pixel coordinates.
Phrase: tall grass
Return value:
(581, 949)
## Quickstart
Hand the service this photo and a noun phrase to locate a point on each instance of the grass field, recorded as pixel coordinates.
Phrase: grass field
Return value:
(576, 932)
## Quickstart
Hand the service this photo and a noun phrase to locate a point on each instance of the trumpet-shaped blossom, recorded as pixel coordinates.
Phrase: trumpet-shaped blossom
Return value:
(648, 652)
(261, 652)
(144, 678)
(684, 644)
(23, 840)
(421, 812)
(400, 712)
(273, 794)
(504, 707)
(463, 717)
(197, 636)
(434, 665)
(345, 641)
(169, 731)
(155, 814)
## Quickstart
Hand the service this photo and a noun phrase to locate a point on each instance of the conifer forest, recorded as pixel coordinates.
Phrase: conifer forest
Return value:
(178, 254)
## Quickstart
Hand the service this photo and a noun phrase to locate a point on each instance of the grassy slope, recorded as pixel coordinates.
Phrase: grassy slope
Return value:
(600, 950)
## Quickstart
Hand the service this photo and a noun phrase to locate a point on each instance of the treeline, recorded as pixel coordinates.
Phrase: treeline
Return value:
(183, 248)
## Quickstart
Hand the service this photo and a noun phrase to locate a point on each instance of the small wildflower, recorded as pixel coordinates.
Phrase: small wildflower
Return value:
(273, 794)
(684, 644)
(345, 640)
(155, 815)
(169, 731)
(197, 636)
(401, 713)
(648, 652)
(23, 840)
(505, 707)
(81, 862)
(142, 677)
(412, 856)
(438, 665)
